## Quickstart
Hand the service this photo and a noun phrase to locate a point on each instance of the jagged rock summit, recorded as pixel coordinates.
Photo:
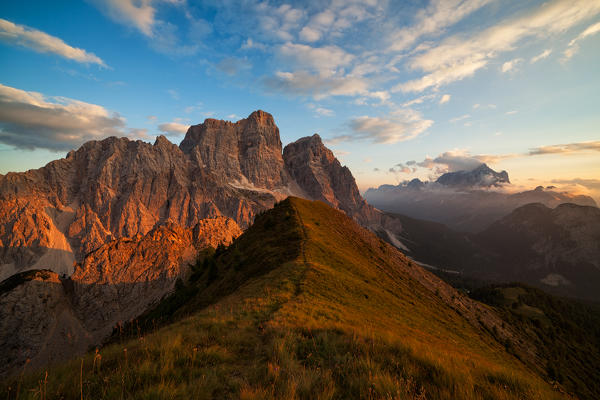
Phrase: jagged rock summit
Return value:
(482, 176)
(246, 152)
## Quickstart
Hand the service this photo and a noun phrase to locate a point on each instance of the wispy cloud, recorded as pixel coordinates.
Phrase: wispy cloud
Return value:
(323, 59)
(458, 57)
(140, 15)
(573, 47)
(30, 120)
(462, 117)
(566, 148)
(445, 98)
(589, 183)
(511, 66)
(321, 111)
(439, 15)
(318, 86)
(541, 56)
(163, 36)
(42, 42)
(401, 125)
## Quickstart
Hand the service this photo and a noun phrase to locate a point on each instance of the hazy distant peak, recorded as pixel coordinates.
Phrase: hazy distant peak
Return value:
(482, 176)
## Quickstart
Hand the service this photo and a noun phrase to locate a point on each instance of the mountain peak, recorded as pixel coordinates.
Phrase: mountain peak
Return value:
(248, 150)
(482, 176)
(262, 117)
(161, 140)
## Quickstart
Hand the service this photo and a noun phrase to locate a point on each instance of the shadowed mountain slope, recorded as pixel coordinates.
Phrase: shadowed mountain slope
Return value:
(557, 250)
(308, 304)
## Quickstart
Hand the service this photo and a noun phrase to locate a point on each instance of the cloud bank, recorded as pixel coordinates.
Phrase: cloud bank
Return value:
(30, 120)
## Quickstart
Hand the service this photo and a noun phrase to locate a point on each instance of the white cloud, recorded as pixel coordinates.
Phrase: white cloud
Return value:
(573, 44)
(173, 128)
(511, 112)
(309, 34)
(462, 117)
(458, 57)
(140, 14)
(316, 85)
(278, 22)
(42, 42)
(419, 100)
(324, 59)
(439, 15)
(321, 111)
(511, 65)
(403, 124)
(31, 120)
(541, 56)
(445, 98)
(337, 17)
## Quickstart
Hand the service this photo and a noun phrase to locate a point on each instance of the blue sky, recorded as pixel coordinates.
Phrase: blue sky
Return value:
(398, 89)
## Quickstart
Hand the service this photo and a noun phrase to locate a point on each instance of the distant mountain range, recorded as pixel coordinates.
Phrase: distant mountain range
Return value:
(467, 201)
(556, 249)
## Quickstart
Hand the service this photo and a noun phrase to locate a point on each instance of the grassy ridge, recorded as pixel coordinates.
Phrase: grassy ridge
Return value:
(304, 305)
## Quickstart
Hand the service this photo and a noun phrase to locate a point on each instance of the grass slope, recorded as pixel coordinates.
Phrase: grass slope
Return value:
(304, 305)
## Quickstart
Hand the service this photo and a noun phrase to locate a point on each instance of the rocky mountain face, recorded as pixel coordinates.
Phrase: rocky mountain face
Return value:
(117, 188)
(321, 177)
(122, 219)
(482, 176)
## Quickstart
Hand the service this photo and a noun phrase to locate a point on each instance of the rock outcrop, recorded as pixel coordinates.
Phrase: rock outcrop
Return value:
(321, 176)
(37, 322)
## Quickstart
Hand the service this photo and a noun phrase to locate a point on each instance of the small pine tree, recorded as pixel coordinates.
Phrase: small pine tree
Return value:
(213, 269)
